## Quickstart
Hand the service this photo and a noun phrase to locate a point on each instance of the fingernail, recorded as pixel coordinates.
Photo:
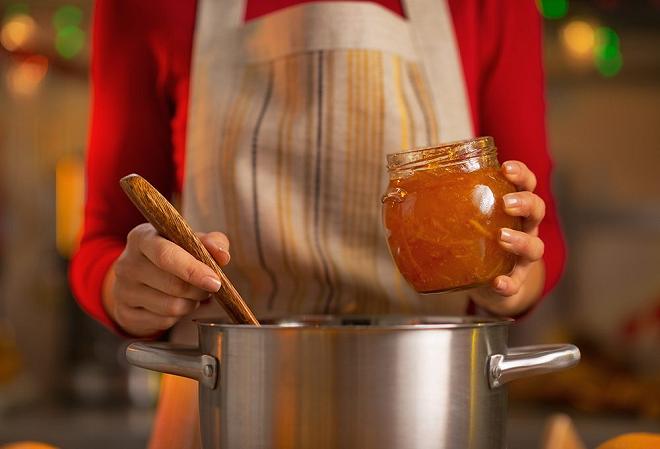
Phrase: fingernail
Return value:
(223, 250)
(500, 284)
(511, 168)
(211, 284)
(226, 253)
(506, 235)
(511, 200)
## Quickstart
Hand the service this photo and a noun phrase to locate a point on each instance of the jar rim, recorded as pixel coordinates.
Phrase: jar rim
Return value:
(445, 153)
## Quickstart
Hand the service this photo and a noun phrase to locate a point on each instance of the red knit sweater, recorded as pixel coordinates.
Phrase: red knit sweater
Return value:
(141, 54)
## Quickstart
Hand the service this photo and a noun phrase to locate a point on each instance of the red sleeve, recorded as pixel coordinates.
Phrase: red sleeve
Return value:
(508, 97)
(513, 109)
(130, 132)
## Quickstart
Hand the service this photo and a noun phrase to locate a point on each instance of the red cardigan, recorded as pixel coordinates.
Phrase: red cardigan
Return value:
(141, 53)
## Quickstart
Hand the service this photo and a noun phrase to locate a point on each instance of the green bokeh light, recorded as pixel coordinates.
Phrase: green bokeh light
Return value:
(607, 52)
(66, 16)
(14, 9)
(606, 36)
(69, 41)
(552, 9)
(609, 66)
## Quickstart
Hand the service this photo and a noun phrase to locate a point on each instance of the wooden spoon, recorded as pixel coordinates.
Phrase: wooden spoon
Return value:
(171, 225)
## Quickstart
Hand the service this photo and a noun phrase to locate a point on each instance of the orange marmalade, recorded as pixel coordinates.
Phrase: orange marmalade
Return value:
(442, 213)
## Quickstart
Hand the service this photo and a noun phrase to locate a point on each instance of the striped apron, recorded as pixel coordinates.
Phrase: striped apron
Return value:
(290, 118)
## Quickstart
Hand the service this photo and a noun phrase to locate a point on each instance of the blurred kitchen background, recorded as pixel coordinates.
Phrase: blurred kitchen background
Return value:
(63, 379)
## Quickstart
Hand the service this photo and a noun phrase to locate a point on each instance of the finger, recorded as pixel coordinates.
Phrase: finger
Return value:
(138, 270)
(218, 245)
(527, 205)
(175, 260)
(509, 285)
(519, 175)
(527, 246)
(141, 322)
(506, 286)
(160, 303)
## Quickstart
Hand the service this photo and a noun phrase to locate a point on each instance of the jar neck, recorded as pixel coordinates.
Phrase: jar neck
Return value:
(467, 155)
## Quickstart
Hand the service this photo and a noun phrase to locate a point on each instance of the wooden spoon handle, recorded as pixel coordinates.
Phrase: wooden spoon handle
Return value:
(171, 225)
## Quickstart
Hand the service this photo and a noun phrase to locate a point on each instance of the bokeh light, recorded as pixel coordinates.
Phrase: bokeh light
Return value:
(579, 38)
(67, 16)
(607, 37)
(607, 52)
(552, 9)
(69, 36)
(24, 77)
(17, 31)
(69, 199)
(69, 41)
(27, 445)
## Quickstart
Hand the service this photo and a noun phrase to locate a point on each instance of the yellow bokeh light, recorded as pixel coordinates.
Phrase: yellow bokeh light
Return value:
(17, 32)
(69, 199)
(25, 77)
(579, 38)
(27, 445)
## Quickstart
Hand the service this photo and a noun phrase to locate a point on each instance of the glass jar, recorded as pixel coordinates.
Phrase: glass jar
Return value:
(443, 211)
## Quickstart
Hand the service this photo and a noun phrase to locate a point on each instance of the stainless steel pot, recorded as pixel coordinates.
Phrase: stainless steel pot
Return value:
(354, 382)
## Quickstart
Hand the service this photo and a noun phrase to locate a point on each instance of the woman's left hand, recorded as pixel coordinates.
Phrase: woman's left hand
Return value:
(515, 293)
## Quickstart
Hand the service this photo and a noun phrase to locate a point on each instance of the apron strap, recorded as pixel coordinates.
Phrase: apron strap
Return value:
(435, 41)
(223, 15)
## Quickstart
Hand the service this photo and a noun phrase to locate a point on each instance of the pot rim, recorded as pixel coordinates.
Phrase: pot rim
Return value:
(362, 322)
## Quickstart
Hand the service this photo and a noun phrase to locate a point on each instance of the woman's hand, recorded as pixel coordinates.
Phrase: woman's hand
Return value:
(515, 293)
(154, 282)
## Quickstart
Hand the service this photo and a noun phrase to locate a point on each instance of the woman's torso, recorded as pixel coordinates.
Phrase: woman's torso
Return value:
(172, 42)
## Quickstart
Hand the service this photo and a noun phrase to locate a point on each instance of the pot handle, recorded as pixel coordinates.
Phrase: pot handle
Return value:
(180, 360)
(526, 361)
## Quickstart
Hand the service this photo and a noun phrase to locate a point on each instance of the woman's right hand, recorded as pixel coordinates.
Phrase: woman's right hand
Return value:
(154, 282)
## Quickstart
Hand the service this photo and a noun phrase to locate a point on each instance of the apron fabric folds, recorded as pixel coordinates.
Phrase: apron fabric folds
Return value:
(290, 118)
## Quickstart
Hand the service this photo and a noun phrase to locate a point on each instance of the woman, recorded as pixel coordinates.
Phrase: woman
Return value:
(272, 120)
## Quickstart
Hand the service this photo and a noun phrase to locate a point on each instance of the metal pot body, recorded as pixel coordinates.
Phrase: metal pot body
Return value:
(353, 382)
